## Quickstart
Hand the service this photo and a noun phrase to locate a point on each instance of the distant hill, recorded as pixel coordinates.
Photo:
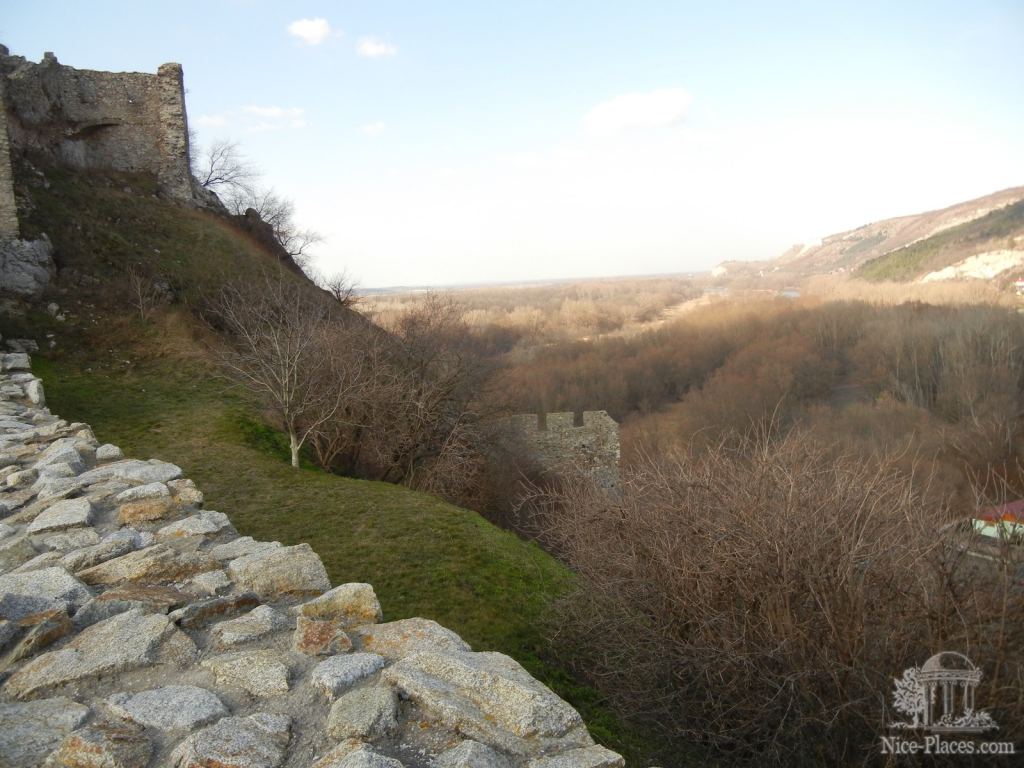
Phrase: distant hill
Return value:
(982, 238)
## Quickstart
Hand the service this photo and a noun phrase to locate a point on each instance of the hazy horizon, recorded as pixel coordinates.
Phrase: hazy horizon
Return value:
(458, 144)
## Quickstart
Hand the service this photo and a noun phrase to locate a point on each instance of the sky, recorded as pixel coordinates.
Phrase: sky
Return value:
(460, 142)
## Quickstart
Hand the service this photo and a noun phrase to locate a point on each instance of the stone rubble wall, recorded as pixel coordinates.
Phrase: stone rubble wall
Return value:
(125, 121)
(139, 629)
(8, 205)
(562, 447)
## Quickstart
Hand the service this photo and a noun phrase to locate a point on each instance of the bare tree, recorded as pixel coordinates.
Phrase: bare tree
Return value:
(221, 167)
(143, 293)
(340, 286)
(282, 352)
(277, 211)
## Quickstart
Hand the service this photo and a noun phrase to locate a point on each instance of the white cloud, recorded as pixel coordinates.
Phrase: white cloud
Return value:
(375, 48)
(653, 109)
(310, 31)
(374, 129)
(211, 121)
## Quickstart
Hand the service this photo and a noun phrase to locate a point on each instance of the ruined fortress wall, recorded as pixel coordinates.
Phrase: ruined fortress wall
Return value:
(8, 208)
(560, 445)
(126, 121)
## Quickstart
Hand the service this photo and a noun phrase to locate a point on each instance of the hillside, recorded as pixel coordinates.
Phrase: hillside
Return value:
(907, 247)
(150, 385)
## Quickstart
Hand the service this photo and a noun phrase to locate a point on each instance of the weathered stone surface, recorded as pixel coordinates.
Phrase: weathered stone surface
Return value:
(586, 757)
(261, 673)
(352, 753)
(320, 637)
(104, 744)
(199, 524)
(133, 470)
(69, 513)
(277, 572)
(145, 510)
(349, 604)
(242, 546)
(398, 639)
(45, 628)
(14, 551)
(491, 698)
(29, 731)
(335, 675)
(200, 613)
(186, 493)
(125, 641)
(121, 599)
(108, 452)
(26, 267)
(34, 392)
(22, 478)
(471, 754)
(257, 623)
(14, 361)
(158, 564)
(256, 741)
(73, 538)
(112, 545)
(171, 708)
(364, 713)
(40, 561)
(140, 492)
(25, 593)
(209, 583)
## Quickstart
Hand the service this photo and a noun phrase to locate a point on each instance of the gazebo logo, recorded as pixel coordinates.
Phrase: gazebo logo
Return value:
(938, 697)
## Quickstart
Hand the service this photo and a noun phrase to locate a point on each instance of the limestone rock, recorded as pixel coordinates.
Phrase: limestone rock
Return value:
(73, 538)
(133, 470)
(200, 524)
(25, 593)
(398, 639)
(258, 622)
(113, 545)
(320, 637)
(490, 698)
(43, 629)
(103, 744)
(209, 583)
(140, 492)
(364, 713)
(14, 551)
(30, 731)
(586, 757)
(350, 604)
(157, 564)
(69, 513)
(242, 546)
(26, 267)
(200, 613)
(274, 573)
(353, 753)
(171, 708)
(15, 361)
(256, 741)
(126, 641)
(335, 675)
(145, 510)
(261, 673)
(108, 452)
(186, 493)
(470, 754)
(150, 599)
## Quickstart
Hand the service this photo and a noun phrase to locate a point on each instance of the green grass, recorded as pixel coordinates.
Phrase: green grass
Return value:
(991, 232)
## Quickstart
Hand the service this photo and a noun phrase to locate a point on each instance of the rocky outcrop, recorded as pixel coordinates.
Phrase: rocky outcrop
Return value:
(137, 629)
(26, 266)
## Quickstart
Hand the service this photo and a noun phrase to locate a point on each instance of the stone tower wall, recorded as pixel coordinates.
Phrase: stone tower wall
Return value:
(562, 446)
(124, 121)
(8, 209)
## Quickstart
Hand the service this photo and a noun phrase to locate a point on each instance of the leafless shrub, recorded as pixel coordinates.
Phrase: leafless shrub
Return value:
(142, 292)
(759, 597)
(222, 168)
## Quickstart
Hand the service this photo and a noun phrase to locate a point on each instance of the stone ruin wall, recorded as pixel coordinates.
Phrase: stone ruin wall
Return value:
(139, 629)
(561, 446)
(125, 121)
(8, 205)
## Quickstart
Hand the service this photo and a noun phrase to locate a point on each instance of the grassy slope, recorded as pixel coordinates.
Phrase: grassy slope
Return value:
(991, 232)
(149, 388)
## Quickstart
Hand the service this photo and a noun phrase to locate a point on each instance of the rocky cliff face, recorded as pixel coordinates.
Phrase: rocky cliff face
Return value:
(139, 629)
